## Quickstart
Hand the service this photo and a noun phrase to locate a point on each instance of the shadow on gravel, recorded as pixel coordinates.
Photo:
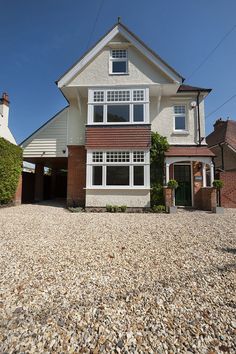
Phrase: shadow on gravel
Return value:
(57, 203)
(229, 250)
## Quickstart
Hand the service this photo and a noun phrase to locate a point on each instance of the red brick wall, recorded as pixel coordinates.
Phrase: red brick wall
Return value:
(76, 175)
(197, 185)
(168, 197)
(17, 196)
(228, 192)
(208, 198)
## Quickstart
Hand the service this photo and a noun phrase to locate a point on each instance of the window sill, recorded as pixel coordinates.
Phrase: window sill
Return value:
(117, 188)
(111, 74)
(180, 132)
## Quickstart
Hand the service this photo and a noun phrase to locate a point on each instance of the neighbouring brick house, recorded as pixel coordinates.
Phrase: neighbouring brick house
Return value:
(117, 93)
(222, 142)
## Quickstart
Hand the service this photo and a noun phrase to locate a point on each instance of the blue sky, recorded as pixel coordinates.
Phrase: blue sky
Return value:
(40, 40)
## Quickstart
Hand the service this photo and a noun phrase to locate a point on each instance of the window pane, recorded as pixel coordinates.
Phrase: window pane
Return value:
(180, 123)
(118, 113)
(98, 114)
(179, 109)
(138, 175)
(97, 175)
(117, 175)
(119, 67)
(138, 113)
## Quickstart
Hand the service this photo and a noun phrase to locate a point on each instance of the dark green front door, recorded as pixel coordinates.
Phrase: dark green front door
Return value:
(182, 174)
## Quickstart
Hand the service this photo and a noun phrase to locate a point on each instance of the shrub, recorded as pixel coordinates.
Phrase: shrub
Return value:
(123, 208)
(75, 209)
(173, 184)
(109, 208)
(218, 183)
(10, 170)
(159, 208)
(115, 208)
(157, 195)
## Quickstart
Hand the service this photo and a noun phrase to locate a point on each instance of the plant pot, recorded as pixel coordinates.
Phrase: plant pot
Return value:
(172, 210)
(218, 210)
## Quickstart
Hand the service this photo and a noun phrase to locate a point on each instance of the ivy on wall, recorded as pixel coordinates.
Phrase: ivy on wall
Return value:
(159, 145)
(10, 170)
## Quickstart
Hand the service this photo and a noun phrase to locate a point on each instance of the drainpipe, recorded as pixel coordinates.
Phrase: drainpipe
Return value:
(198, 117)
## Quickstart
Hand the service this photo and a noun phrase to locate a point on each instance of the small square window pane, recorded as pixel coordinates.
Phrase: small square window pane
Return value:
(138, 113)
(179, 109)
(138, 175)
(119, 67)
(117, 175)
(98, 114)
(118, 113)
(97, 175)
(180, 123)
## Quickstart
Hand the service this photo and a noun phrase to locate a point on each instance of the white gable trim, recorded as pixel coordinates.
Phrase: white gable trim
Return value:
(118, 29)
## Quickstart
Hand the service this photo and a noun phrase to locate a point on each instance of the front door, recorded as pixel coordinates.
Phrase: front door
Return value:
(182, 174)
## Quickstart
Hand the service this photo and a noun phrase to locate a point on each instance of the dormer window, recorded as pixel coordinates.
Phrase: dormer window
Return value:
(118, 61)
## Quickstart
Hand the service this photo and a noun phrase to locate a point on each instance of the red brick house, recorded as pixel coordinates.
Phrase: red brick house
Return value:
(222, 142)
(117, 93)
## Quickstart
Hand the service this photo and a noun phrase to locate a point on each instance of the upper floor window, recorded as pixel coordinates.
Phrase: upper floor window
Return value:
(118, 61)
(180, 118)
(120, 106)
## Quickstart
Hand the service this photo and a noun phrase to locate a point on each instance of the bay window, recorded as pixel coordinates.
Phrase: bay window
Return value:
(120, 106)
(118, 169)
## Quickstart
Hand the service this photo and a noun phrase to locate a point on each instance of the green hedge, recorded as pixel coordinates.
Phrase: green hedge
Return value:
(10, 170)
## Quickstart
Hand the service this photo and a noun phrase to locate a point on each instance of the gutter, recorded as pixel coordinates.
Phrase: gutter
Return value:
(222, 156)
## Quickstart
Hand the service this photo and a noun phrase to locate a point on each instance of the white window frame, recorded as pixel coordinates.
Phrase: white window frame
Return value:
(104, 164)
(111, 60)
(131, 102)
(180, 131)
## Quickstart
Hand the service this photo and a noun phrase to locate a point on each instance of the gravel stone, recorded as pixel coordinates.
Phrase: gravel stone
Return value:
(117, 283)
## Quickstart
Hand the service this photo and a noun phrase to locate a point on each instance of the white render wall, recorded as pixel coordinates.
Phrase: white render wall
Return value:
(135, 198)
(50, 140)
(141, 71)
(162, 119)
(4, 130)
(77, 119)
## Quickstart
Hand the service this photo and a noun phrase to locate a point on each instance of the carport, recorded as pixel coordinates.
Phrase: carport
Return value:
(47, 181)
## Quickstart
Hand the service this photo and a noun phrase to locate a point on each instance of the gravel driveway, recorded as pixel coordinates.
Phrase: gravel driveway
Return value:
(117, 283)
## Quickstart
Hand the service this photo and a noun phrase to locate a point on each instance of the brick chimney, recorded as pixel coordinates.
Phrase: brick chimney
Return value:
(219, 123)
(5, 99)
(4, 116)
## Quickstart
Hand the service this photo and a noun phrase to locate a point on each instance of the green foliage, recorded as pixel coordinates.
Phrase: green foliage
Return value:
(115, 208)
(10, 169)
(159, 208)
(157, 157)
(75, 209)
(123, 208)
(173, 184)
(157, 194)
(158, 148)
(218, 183)
(109, 208)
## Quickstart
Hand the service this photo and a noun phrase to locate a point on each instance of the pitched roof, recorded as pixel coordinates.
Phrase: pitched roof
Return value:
(188, 88)
(189, 151)
(224, 132)
(132, 38)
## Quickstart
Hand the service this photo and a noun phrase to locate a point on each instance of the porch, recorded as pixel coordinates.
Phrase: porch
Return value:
(193, 169)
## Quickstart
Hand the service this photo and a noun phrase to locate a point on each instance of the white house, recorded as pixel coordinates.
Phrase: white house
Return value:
(4, 117)
(117, 93)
